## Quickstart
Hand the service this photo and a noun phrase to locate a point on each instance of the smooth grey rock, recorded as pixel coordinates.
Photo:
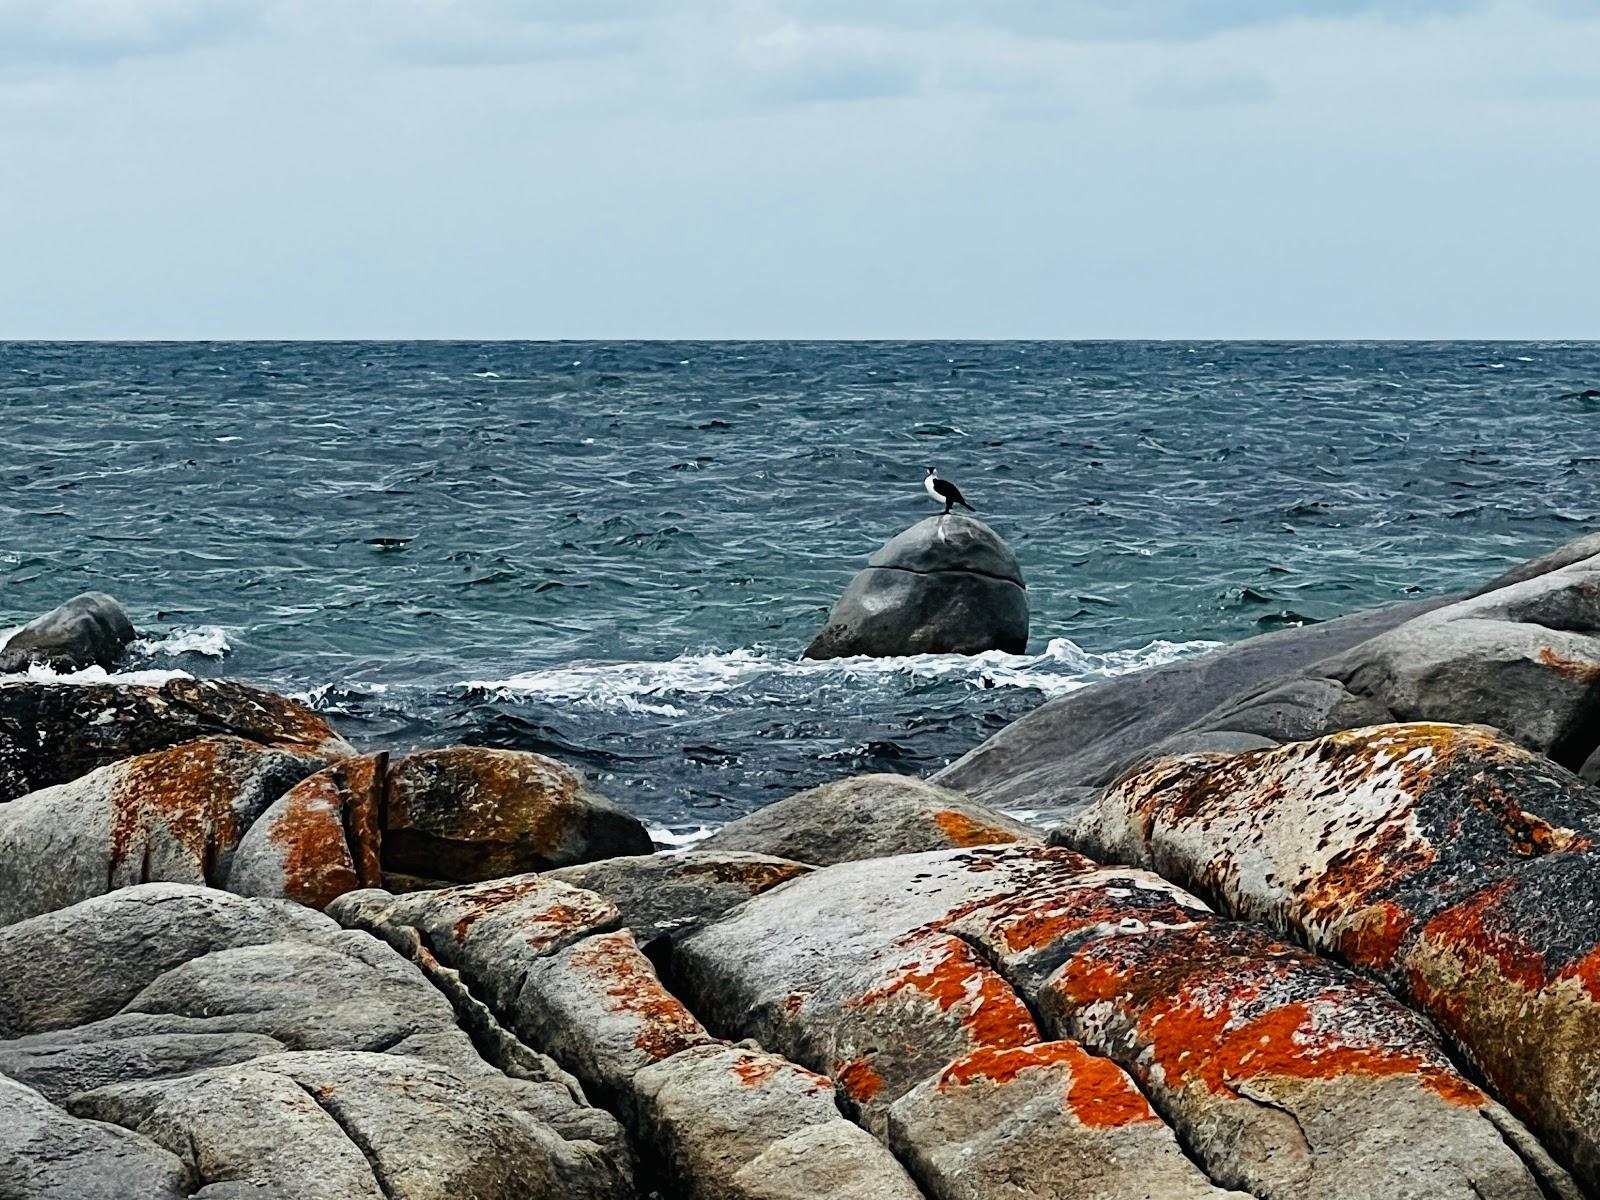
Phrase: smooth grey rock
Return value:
(172, 815)
(60, 1064)
(90, 630)
(661, 895)
(54, 732)
(947, 585)
(867, 816)
(1088, 737)
(952, 543)
(82, 963)
(46, 1154)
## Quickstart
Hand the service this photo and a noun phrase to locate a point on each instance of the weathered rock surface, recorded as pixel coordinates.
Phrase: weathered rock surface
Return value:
(47, 1154)
(869, 816)
(893, 973)
(947, 585)
(90, 630)
(171, 815)
(1522, 654)
(268, 1049)
(462, 814)
(550, 962)
(663, 895)
(1456, 866)
(51, 733)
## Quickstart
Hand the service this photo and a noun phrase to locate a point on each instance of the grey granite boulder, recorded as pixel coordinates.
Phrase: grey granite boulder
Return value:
(947, 585)
(90, 630)
(48, 1154)
(868, 816)
(172, 815)
(51, 733)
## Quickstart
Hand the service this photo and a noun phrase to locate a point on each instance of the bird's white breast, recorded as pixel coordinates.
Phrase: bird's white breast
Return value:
(927, 486)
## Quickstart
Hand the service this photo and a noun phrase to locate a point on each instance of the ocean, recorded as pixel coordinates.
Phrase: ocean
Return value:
(614, 553)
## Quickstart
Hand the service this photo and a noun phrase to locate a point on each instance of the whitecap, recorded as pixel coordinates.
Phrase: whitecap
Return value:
(39, 673)
(661, 688)
(209, 640)
(677, 839)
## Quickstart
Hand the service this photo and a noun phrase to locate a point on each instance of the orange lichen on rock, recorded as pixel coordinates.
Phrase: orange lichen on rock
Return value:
(1098, 1092)
(1584, 671)
(308, 833)
(962, 830)
(950, 974)
(665, 1025)
(185, 792)
(859, 1081)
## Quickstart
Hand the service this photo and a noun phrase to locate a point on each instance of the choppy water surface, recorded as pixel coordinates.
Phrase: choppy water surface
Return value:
(616, 552)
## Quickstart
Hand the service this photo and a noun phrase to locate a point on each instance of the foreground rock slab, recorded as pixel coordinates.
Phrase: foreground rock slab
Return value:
(172, 815)
(90, 630)
(947, 585)
(51, 733)
(870, 816)
(1453, 864)
(256, 1048)
(915, 981)
(552, 964)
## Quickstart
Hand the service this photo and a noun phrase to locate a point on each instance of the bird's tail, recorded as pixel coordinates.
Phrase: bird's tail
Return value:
(966, 506)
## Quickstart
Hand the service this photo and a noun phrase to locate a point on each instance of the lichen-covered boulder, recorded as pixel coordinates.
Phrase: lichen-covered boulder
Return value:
(90, 630)
(548, 959)
(51, 733)
(869, 816)
(665, 895)
(947, 585)
(888, 973)
(172, 815)
(439, 816)
(1458, 867)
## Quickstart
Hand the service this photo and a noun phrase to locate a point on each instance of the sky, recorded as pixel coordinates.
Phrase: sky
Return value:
(802, 169)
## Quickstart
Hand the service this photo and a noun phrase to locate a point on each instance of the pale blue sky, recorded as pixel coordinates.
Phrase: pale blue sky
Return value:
(817, 168)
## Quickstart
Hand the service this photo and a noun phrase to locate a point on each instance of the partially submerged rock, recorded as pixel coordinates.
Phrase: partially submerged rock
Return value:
(51, 733)
(869, 816)
(436, 817)
(1456, 866)
(90, 630)
(171, 815)
(947, 585)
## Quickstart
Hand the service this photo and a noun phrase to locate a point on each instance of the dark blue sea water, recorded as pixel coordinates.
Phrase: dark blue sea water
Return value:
(615, 552)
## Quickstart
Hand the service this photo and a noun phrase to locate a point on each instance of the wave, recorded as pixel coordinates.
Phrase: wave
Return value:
(660, 688)
(146, 678)
(208, 640)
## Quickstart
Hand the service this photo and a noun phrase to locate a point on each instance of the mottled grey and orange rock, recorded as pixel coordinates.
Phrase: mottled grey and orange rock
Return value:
(868, 816)
(1455, 865)
(1048, 1121)
(984, 934)
(737, 1123)
(82, 963)
(48, 1154)
(464, 814)
(662, 895)
(340, 1125)
(87, 631)
(548, 960)
(469, 813)
(172, 815)
(51, 733)
(489, 932)
(320, 839)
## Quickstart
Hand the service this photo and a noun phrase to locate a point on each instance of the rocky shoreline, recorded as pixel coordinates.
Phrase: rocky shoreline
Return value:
(1315, 915)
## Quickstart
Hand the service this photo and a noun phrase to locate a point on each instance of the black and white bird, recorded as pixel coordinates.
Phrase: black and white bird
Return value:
(945, 492)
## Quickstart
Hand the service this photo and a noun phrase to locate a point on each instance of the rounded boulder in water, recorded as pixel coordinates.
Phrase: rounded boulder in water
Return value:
(90, 630)
(947, 585)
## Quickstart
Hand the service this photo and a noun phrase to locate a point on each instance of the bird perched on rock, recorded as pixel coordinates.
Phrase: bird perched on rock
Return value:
(945, 492)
